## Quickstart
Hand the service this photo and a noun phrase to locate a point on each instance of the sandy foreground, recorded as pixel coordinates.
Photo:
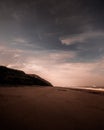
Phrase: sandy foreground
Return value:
(47, 108)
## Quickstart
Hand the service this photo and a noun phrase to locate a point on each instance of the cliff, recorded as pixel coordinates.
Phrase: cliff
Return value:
(10, 76)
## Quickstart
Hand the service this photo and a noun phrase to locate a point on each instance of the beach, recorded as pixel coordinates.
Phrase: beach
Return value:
(50, 108)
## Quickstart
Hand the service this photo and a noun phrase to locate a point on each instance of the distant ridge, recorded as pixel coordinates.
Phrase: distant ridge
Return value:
(10, 76)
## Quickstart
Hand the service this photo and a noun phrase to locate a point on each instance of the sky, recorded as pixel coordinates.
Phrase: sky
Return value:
(60, 40)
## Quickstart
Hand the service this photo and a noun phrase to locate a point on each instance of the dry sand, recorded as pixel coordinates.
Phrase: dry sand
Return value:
(39, 108)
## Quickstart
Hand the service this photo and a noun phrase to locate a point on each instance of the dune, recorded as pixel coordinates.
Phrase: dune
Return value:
(50, 108)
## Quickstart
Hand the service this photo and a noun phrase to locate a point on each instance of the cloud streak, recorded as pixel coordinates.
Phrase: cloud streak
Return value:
(81, 38)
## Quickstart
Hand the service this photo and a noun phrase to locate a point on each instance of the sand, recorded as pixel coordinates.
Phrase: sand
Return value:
(47, 108)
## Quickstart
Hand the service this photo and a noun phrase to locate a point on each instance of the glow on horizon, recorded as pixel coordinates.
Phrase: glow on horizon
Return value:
(62, 74)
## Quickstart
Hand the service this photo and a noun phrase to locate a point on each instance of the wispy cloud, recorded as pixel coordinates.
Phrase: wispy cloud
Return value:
(20, 40)
(80, 38)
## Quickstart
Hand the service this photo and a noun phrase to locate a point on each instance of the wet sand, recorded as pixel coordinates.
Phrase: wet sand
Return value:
(47, 108)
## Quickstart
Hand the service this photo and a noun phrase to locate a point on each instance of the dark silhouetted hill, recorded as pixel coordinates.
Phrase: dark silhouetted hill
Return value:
(10, 76)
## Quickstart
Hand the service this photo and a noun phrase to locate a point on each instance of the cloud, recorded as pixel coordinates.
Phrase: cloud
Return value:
(65, 74)
(89, 46)
(63, 41)
(9, 55)
(81, 38)
(53, 67)
(20, 40)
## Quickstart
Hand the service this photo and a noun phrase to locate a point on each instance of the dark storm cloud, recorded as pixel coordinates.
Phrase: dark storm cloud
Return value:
(43, 23)
(57, 39)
